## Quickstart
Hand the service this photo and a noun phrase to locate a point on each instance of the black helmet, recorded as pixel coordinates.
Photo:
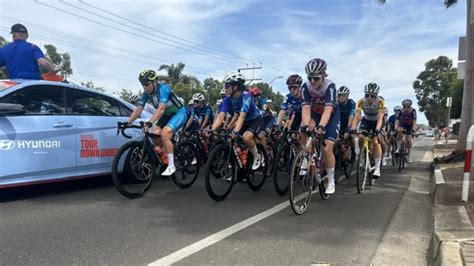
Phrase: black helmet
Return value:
(147, 75)
(294, 79)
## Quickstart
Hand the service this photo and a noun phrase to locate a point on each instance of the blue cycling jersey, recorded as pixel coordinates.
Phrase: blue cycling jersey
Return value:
(244, 103)
(347, 109)
(204, 111)
(292, 103)
(163, 94)
(391, 122)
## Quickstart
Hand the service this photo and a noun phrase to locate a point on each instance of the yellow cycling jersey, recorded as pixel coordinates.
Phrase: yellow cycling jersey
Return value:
(370, 111)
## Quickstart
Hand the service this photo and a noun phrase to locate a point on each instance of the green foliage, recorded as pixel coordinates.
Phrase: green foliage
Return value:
(457, 88)
(175, 75)
(212, 88)
(91, 85)
(125, 94)
(433, 86)
(186, 91)
(59, 61)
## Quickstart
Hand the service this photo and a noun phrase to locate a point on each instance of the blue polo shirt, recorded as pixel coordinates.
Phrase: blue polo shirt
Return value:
(20, 57)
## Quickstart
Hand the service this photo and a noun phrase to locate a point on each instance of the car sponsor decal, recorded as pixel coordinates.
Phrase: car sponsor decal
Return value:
(7, 145)
(90, 148)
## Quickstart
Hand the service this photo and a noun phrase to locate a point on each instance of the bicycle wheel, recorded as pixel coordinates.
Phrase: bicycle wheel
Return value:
(220, 172)
(133, 169)
(271, 153)
(282, 169)
(347, 165)
(401, 157)
(301, 183)
(256, 178)
(187, 167)
(363, 169)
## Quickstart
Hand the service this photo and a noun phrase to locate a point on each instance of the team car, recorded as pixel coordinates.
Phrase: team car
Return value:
(52, 131)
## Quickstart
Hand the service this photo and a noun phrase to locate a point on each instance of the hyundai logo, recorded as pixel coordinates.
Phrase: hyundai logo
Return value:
(6, 145)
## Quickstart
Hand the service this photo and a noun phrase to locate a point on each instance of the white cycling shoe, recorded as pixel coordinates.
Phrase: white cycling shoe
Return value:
(257, 162)
(169, 171)
(330, 189)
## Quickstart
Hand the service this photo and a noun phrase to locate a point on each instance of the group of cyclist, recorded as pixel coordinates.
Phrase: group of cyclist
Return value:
(314, 105)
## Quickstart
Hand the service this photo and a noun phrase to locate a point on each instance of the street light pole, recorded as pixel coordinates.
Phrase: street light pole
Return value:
(279, 77)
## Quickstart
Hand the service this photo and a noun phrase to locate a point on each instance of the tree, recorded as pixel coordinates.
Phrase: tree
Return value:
(3, 70)
(91, 85)
(59, 61)
(432, 88)
(185, 91)
(468, 90)
(457, 88)
(126, 95)
(175, 75)
(213, 88)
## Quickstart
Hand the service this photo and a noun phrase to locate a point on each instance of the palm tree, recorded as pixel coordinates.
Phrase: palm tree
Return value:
(175, 75)
(467, 113)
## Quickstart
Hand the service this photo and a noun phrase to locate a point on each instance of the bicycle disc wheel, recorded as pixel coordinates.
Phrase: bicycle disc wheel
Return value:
(282, 169)
(133, 169)
(256, 178)
(220, 172)
(301, 183)
(187, 165)
(362, 171)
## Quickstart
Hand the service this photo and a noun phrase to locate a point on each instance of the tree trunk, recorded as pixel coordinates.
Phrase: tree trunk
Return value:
(467, 100)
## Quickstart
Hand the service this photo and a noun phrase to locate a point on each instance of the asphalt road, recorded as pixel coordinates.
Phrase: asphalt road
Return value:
(89, 222)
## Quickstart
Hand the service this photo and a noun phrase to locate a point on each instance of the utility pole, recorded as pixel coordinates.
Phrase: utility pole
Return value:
(449, 102)
(253, 72)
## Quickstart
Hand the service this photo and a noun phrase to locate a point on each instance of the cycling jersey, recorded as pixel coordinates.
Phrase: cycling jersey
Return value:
(244, 103)
(391, 122)
(204, 111)
(406, 118)
(163, 94)
(318, 99)
(292, 103)
(347, 109)
(370, 110)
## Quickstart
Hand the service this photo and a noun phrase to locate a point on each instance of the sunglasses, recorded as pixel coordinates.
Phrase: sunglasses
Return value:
(295, 87)
(227, 85)
(146, 84)
(368, 95)
(314, 78)
(406, 106)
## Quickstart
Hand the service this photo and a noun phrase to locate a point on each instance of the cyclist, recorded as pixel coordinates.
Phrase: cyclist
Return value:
(391, 128)
(135, 98)
(265, 112)
(201, 110)
(372, 107)
(248, 117)
(406, 124)
(169, 117)
(347, 107)
(320, 109)
(292, 103)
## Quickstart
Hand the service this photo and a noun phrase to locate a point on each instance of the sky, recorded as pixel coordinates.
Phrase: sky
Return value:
(110, 42)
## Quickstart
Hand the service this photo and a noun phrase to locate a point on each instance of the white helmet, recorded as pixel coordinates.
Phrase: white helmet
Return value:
(134, 98)
(219, 102)
(198, 97)
(234, 78)
(191, 101)
(406, 102)
(222, 92)
(316, 66)
(372, 88)
(343, 90)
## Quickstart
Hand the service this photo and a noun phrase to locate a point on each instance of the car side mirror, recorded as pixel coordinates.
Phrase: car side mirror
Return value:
(8, 109)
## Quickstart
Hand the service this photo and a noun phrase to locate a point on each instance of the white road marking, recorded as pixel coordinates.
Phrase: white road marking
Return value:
(212, 239)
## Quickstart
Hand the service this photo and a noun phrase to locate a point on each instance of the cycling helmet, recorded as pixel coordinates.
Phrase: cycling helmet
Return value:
(255, 91)
(397, 109)
(222, 92)
(219, 102)
(343, 90)
(269, 101)
(234, 78)
(372, 88)
(294, 79)
(198, 97)
(134, 98)
(316, 66)
(406, 102)
(191, 102)
(147, 75)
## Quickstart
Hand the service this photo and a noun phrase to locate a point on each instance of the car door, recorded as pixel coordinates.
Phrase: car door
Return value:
(97, 141)
(40, 144)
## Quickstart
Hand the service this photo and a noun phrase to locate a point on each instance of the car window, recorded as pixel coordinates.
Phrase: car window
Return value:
(39, 99)
(88, 103)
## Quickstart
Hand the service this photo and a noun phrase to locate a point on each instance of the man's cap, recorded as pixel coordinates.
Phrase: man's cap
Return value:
(19, 28)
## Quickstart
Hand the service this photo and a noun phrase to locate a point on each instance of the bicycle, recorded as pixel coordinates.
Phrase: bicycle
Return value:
(230, 162)
(307, 174)
(136, 163)
(343, 155)
(285, 153)
(364, 164)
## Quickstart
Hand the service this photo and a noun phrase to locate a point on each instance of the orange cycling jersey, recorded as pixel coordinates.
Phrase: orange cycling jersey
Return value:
(370, 110)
